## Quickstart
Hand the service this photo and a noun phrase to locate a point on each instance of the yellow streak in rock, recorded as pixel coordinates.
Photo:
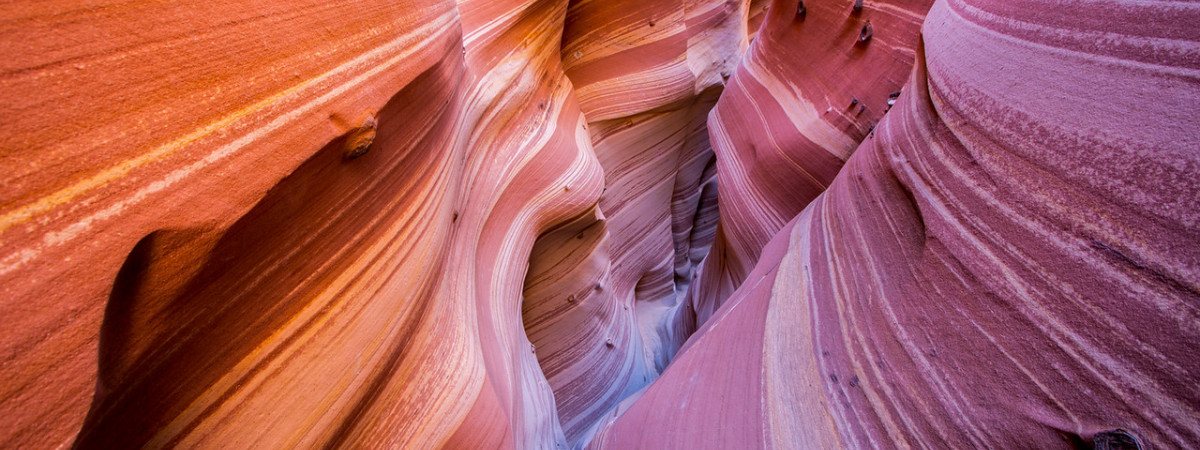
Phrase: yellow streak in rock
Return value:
(791, 378)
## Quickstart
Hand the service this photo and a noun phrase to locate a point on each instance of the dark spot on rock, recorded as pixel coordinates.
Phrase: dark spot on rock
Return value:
(853, 102)
(866, 33)
(1116, 439)
(825, 353)
(854, 381)
(608, 343)
(571, 298)
(858, 6)
(542, 105)
(598, 287)
(652, 23)
(1113, 252)
(454, 218)
(862, 108)
(725, 74)
(532, 348)
(833, 377)
(801, 11)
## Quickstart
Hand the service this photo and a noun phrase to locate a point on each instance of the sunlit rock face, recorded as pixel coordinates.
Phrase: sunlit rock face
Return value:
(487, 224)
(188, 257)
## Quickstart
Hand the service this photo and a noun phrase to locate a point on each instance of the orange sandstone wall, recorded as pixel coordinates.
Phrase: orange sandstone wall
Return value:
(179, 169)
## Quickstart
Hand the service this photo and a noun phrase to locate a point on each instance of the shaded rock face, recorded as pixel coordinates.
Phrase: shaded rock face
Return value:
(413, 224)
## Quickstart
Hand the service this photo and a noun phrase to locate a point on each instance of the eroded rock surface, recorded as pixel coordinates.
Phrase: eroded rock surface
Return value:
(478, 224)
(1007, 261)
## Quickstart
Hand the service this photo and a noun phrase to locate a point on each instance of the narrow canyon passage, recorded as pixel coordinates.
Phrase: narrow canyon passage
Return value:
(600, 224)
(625, 264)
(626, 268)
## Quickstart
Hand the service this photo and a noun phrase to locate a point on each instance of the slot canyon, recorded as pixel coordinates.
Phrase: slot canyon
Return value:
(600, 224)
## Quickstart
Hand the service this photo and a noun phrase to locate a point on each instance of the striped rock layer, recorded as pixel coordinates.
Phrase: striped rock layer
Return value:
(486, 224)
(1009, 260)
(806, 93)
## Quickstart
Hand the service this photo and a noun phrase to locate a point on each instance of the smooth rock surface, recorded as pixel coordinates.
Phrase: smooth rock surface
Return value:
(487, 224)
(995, 267)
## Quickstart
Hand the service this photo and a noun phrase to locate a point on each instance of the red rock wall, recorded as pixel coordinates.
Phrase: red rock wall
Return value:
(481, 224)
(807, 92)
(241, 269)
(199, 148)
(1008, 261)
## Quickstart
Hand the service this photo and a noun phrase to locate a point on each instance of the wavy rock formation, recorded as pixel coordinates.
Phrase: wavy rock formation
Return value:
(993, 268)
(482, 224)
(646, 75)
(808, 91)
(179, 170)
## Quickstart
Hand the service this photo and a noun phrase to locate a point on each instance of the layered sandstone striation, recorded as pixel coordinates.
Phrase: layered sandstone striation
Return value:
(1008, 260)
(477, 224)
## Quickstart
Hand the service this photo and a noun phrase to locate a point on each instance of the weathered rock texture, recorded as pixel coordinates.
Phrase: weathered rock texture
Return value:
(483, 224)
(1009, 261)
(805, 95)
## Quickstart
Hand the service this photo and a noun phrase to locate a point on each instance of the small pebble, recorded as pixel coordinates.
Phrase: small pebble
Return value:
(866, 33)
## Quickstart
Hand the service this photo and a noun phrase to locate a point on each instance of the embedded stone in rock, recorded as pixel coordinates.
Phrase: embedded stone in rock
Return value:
(1116, 439)
(867, 31)
(358, 141)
